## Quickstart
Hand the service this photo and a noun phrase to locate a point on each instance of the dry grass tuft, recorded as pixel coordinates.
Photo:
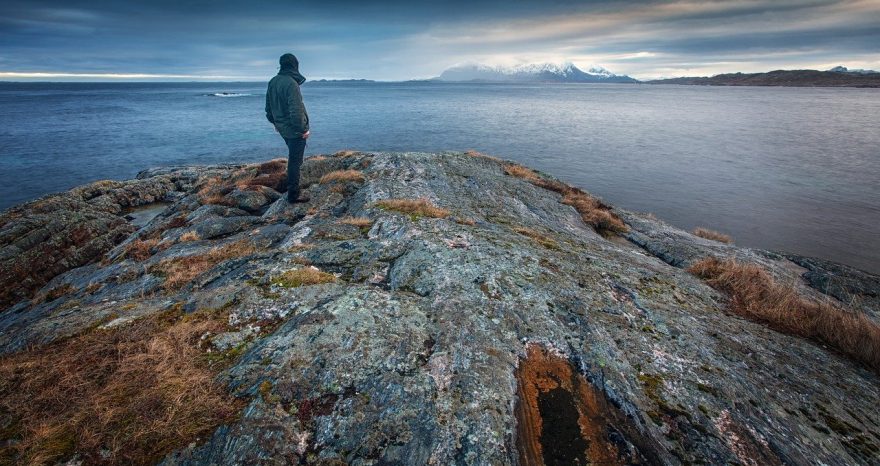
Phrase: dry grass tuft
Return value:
(317, 157)
(414, 207)
(343, 176)
(520, 171)
(474, 153)
(465, 221)
(756, 295)
(217, 199)
(345, 153)
(303, 277)
(213, 191)
(271, 174)
(190, 236)
(594, 212)
(179, 271)
(273, 166)
(133, 393)
(177, 222)
(93, 287)
(534, 178)
(712, 235)
(360, 222)
(55, 293)
(141, 250)
(539, 237)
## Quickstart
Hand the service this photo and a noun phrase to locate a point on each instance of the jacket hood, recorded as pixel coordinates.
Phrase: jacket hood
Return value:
(294, 73)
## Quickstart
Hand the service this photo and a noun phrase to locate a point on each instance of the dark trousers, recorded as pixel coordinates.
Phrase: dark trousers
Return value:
(296, 146)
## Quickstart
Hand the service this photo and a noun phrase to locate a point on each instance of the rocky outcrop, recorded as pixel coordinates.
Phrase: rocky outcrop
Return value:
(44, 238)
(498, 328)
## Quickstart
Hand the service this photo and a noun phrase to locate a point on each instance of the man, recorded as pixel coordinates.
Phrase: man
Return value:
(285, 110)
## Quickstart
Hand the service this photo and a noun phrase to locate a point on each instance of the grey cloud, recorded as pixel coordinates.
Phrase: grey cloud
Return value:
(400, 39)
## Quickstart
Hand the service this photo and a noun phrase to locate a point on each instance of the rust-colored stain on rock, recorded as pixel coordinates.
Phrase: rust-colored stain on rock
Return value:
(562, 419)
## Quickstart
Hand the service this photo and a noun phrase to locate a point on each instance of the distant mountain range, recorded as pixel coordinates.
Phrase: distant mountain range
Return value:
(543, 72)
(839, 76)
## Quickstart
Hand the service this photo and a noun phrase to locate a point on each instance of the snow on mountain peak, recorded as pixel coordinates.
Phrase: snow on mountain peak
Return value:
(549, 72)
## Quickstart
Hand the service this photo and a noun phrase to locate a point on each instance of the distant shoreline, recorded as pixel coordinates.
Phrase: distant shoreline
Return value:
(781, 78)
(687, 81)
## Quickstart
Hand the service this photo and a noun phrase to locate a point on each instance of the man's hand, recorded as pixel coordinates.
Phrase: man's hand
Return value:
(307, 134)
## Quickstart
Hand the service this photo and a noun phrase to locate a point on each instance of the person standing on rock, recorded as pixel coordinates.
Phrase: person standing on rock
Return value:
(285, 110)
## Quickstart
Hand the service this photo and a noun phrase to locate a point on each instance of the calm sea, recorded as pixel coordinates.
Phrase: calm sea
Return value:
(788, 169)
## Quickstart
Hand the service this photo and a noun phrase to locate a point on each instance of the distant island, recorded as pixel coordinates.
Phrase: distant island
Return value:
(353, 81)
(838, 76)
(542, 72)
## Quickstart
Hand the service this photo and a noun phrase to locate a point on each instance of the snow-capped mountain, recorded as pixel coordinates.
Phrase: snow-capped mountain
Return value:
(540, 72)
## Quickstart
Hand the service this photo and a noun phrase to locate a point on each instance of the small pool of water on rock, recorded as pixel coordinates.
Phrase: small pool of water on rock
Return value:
(141, 215)
(561, 435)
(562, 419)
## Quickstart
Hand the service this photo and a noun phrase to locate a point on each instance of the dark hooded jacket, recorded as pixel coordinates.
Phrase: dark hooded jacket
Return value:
(284, 103)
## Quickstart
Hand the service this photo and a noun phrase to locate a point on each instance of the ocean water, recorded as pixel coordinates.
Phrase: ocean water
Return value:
(788, 169)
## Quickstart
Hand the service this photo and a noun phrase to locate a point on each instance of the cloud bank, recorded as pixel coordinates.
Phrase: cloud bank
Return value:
(395, 40)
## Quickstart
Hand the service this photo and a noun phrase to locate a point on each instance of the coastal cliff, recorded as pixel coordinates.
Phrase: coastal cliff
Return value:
(449, 308)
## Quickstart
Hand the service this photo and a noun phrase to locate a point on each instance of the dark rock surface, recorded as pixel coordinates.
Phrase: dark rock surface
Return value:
(411, 355)
(847, 284)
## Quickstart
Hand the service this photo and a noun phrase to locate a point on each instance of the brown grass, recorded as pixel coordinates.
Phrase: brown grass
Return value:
(179, 271)
(177, 222)
(539, 237)
(141, 250)
(414, 207)
(55, 293)
(360, 222)
(273, 166)
(210, 185)
(520, 171)
(343, 176)
(272, 174)
(190, 236)
(137, 392)
(465, 221)
(213, 191)
(474, 153)
(534, 178)
(594, 212)
(303, 277)
(756, 295)
(217, 199)
(345, 153)
(712, 235)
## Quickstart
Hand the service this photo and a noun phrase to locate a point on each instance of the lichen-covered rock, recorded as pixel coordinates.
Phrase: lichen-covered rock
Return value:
(503, 331)
(43, 238)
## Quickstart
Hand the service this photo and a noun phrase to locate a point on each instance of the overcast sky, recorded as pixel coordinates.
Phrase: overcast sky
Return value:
(406, 39)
